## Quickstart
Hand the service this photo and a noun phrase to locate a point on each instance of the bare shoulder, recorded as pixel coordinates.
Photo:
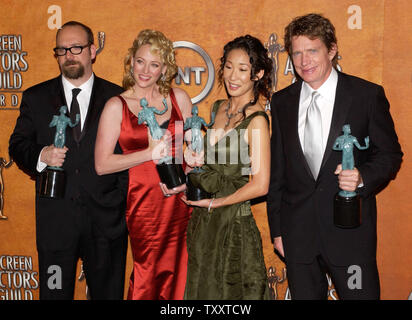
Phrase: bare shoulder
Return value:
(260, 120)
(255, 108)
(113, 106)
(183, 100)
(181, 95)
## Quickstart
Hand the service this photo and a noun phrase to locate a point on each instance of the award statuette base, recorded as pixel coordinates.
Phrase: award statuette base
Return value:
(347, 211)
(193, 193)
(52, 183)
(171, 174)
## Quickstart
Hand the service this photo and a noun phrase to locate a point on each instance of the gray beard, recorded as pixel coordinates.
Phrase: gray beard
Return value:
(72, 73)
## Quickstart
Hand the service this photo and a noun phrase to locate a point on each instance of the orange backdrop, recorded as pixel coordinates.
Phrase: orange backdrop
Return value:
(373, 40)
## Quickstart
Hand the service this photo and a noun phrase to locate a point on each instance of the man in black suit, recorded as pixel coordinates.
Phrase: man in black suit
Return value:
(89, 222)
(306, 173)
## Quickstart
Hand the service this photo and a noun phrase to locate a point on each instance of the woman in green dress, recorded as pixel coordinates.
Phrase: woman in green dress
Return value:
(224, 243)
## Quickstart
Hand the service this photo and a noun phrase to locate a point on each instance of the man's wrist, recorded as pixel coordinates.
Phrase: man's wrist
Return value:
(40, 164)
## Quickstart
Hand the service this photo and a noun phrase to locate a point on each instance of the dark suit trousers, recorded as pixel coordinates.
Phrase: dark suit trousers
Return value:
(355, 282)
(104, 262)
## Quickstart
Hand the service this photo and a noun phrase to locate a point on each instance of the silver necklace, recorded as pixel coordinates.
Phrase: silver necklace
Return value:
(229, 116)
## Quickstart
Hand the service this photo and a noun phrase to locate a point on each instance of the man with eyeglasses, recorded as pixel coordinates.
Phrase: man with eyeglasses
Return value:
(89, 222)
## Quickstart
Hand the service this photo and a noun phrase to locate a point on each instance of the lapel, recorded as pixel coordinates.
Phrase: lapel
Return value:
(293, 128)
(343, 101)
(57, 97)
(95, 104)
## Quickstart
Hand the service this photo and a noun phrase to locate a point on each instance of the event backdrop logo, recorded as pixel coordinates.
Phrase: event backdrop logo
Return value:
(12, 64)
(185, 74)
(3, 164)
(17, 278)
(274, 49)
(100, 39)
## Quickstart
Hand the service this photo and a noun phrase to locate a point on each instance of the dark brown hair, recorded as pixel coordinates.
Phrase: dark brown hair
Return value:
(313, 26)
(259, 60)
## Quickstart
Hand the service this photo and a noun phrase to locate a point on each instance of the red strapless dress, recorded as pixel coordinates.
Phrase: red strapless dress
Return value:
(157, 225)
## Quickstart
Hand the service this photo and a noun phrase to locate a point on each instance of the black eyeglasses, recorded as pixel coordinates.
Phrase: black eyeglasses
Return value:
(60, 51)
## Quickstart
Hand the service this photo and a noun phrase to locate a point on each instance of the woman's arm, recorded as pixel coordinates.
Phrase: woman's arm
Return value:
(106, 161)
(185, 106)
(259, 141)
(184, 102)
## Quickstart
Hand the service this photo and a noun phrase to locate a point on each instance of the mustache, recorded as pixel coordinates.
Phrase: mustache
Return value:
(70, 63)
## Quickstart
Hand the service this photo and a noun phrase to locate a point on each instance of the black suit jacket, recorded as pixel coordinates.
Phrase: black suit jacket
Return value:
(300, 208)
(102, 198)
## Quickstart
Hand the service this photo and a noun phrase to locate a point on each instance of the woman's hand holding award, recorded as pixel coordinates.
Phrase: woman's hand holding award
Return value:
(170, 172)
(195, 152)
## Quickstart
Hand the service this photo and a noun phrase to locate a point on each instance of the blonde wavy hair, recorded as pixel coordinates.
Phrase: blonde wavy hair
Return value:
(161, 46)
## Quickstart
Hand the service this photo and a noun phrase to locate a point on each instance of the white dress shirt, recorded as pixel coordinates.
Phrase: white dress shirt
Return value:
(83, 98)
(325, 101)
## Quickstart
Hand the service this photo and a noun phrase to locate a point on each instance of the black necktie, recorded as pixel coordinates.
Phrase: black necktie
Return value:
(75, 109)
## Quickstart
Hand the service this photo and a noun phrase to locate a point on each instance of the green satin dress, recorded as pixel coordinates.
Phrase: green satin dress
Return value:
(225, 248)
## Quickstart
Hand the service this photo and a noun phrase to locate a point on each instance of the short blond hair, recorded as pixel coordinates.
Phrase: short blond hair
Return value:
(161, 46)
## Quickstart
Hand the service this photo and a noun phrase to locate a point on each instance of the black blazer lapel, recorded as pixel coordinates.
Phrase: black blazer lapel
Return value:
(57, 96)
(343, 101)
(95, 104)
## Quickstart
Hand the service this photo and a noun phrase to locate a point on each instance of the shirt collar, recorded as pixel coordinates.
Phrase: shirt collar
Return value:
(327, 89)
(86, 86)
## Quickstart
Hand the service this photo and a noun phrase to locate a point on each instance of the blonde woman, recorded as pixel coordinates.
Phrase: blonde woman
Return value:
(155, 216)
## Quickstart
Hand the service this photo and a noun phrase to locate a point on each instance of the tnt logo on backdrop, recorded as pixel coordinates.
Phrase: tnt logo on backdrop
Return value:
(201, 69)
